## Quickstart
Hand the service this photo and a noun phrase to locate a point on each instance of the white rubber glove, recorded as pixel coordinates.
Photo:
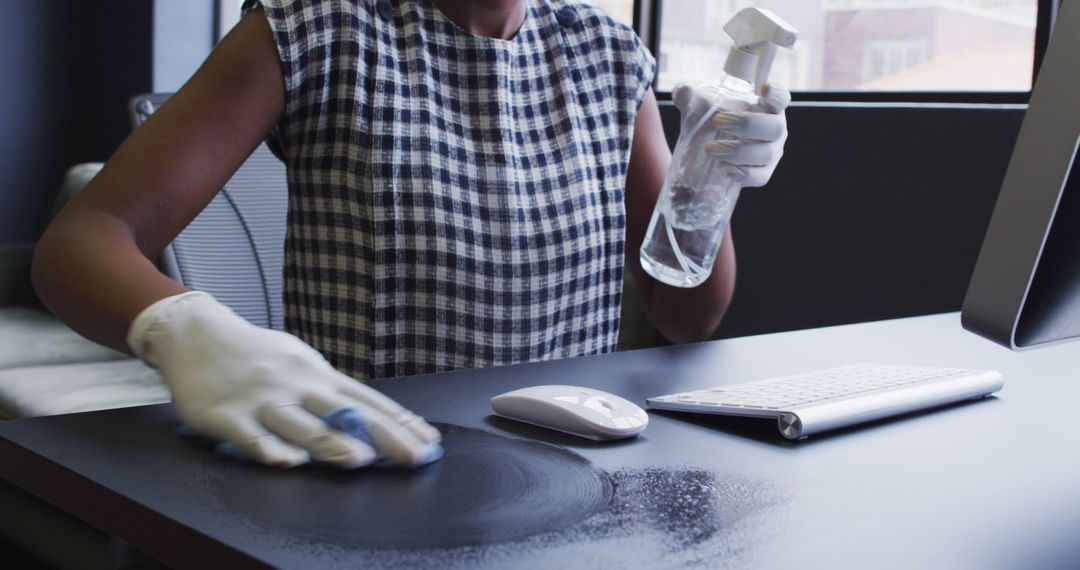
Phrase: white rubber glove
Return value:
(269, 394)
(753, 139)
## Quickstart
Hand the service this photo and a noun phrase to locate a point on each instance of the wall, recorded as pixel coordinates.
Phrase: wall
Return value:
(68, 70)
(875, 212)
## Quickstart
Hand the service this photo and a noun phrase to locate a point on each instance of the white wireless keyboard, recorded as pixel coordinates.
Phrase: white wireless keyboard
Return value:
(814, 402)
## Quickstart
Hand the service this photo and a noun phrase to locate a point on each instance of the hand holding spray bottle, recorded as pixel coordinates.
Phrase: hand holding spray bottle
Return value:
(700, 191)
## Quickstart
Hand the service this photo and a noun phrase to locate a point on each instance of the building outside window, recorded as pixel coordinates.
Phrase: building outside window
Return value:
(888, 56)
(865, 45)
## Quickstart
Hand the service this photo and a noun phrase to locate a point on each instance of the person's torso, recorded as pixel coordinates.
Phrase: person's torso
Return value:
(456, 201)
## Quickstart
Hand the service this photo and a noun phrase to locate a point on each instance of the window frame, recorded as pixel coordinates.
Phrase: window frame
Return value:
(647, 23)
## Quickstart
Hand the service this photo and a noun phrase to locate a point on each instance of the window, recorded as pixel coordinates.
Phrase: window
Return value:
(845, 45)
(865, 45)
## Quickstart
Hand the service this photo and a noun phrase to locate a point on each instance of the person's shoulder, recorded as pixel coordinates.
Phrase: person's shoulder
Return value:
(301, 26)
(312, 8)
(599, 29)
(593, 18)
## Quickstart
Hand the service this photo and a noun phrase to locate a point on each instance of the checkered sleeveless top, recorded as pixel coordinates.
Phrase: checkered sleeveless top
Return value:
(455, 201)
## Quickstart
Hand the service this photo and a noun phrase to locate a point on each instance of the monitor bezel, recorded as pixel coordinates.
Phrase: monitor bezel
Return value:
(1034, 184)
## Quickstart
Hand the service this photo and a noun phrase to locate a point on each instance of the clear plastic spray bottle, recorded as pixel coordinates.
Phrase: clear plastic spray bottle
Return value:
(700, 192)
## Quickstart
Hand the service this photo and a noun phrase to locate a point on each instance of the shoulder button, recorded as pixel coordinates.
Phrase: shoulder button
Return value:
(567, 17)
(385, 9)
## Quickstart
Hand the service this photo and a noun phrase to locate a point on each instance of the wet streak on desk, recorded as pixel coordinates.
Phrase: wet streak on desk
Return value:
(492, 499)
(487, 489)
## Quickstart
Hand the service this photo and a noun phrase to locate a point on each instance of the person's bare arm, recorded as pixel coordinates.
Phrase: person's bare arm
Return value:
(681, 315)
(92, 266)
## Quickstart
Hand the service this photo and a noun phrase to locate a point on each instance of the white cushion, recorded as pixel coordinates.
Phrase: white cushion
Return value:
(33, 391)
(30, 337)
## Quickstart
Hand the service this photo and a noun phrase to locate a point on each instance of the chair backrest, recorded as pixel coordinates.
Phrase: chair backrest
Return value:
(235, 248)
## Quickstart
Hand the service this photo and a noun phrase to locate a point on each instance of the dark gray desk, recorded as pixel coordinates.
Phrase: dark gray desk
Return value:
(985, 484)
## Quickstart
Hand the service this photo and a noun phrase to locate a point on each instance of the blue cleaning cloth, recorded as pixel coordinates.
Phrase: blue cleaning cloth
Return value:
(347, 420)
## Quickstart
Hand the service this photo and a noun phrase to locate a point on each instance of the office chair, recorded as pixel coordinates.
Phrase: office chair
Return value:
(235, 248)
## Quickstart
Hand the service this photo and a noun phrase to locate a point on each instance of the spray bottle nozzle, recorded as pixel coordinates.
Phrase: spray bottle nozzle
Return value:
(756, 34)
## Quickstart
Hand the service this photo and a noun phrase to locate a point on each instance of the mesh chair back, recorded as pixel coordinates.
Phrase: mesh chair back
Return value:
(235, 248)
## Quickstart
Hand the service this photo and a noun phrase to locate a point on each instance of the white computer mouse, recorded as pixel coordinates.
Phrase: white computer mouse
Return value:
(583, 412)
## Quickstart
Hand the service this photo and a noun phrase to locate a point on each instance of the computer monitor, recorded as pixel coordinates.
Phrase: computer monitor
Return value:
(1025, 290)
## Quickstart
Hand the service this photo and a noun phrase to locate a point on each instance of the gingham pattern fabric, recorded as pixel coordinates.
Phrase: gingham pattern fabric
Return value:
(455, 201)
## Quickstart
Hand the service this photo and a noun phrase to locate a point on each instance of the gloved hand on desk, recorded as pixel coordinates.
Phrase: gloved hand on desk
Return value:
(270, 395)
(752, 139)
